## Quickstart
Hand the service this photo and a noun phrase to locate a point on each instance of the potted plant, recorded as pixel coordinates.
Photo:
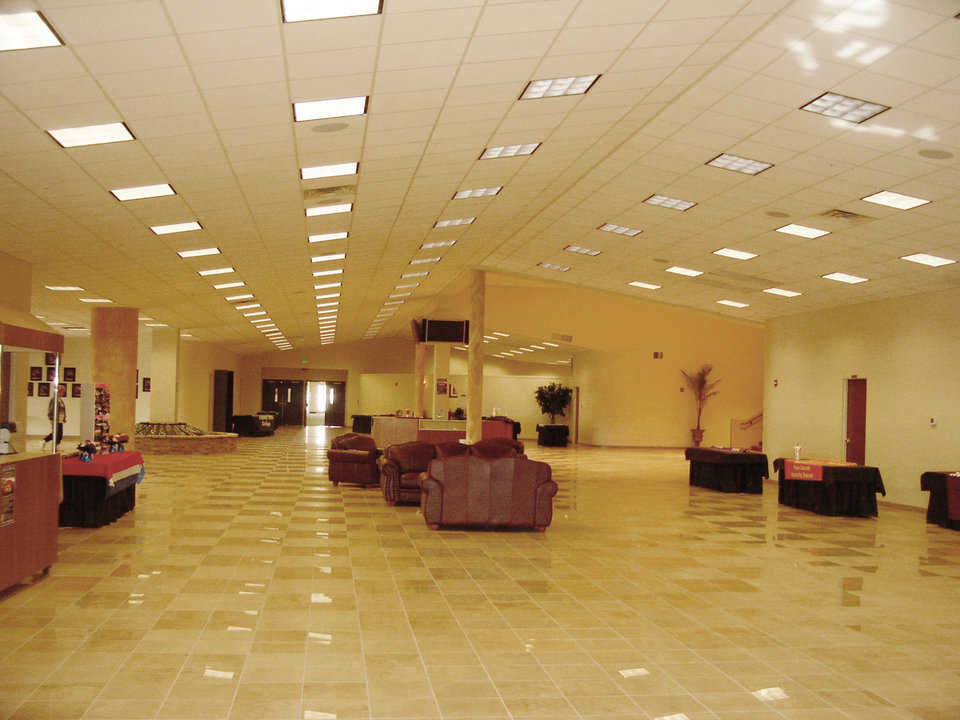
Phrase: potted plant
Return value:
(702, 387)
(553, 400)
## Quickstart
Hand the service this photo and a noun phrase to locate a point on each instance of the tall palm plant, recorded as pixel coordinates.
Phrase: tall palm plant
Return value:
(702, 387)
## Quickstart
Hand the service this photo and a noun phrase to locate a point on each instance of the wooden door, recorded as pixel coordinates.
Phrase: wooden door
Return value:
(856, 440)
(222, 400)
(295, 394)
(336, 404)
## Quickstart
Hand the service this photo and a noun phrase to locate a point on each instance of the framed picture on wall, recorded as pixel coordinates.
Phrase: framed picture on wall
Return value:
(51, 374)
(70, 375)
(62, 390)
(36, 374)
(50, 359)
(43, 389)
(76, 390)
(29, 389)
(146, 384)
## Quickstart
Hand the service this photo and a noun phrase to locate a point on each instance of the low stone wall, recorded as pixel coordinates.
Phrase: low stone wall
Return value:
(187, 444)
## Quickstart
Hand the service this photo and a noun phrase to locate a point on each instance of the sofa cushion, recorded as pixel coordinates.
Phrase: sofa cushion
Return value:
(353, 441)
(412, 456)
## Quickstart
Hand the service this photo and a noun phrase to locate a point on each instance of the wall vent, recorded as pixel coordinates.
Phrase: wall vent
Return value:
(562, 338)
(326, 192)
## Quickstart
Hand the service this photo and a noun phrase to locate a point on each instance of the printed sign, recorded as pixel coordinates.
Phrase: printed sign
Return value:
(8, 485)
(793, 470)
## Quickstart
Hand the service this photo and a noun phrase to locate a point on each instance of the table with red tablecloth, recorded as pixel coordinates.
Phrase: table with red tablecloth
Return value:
(96, 493)
(727, 470)
(829, 488)
(943, 508)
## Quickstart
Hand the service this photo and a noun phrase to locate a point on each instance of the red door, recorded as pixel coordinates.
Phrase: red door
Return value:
(856, 420)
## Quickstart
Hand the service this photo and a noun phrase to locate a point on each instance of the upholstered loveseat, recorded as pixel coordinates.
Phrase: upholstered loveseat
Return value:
(353, 459)
(470, 490)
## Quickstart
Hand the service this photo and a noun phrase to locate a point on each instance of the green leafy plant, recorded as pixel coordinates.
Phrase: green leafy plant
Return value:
(553, 399)
(702, 387)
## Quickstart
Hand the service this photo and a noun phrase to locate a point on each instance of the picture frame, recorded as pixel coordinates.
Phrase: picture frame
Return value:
(36, 373)
(146, 384)
(50, 358)
(70, 374)
(29, 389)
(62, 390)
(43, 389)
(76, 390)
(51, 373)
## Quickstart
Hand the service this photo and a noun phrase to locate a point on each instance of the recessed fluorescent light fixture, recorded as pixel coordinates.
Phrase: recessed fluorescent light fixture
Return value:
(669, 202)
(739, 164)
(325, 273)
(406, 286)
(330, 312)
(327, 258)
(64, 288)
(845, 278)
(400, 295)
(144, 317)
(324, 171)
(247, 306)
(329, 209)
(454, 222)
(255, 313)
(176, 227)
(477, 192)
(556, 87)
(392, 302)
(216, 271)
(931, 260)
(325, 237)
(198, 253)
(326, 286)
(735, 254)
(259, 322)
(802, 231)
(422, 261)
(22, 31)
(842, 107)
(500, 334)
(582, 250)
(300, 10)
(95, 300)
(326, 297)
(895, 200)
(502, 151)
(335, 108)
(423, 273)
(620, 229)
(644, 285)
(225, 286)
(155, 325)
(142, 192)
(552, 266)
(234, 298)
(781, 292)
(732, 303)
(431, 245)
(550, 344)
(333, 303)
(91, 135)
(687, 272)
(538, 347)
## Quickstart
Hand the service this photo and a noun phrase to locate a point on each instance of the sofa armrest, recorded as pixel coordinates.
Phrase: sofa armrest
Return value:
(353, 456)
(431, 500)
(390, 480)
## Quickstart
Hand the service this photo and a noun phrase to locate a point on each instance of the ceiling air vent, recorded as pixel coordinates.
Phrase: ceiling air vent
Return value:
(562, 338)
(326, 192)
(846, 215)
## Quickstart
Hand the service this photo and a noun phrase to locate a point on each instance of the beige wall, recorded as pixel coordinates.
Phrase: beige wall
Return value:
(627, 397)
(164, 366)
(385, 393)
(908, 350)
(198, 360)
(15, 282)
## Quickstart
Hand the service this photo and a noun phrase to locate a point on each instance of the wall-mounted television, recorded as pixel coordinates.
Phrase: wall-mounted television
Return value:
(452, 331)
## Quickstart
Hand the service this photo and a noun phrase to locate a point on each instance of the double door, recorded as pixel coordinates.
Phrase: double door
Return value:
(286, 398)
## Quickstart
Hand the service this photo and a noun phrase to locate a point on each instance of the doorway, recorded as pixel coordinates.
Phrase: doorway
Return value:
(326, 403)
(856, 425)
(222, 400)
(286, 398)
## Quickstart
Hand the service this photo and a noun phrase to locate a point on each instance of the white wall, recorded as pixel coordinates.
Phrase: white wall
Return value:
(909, 352)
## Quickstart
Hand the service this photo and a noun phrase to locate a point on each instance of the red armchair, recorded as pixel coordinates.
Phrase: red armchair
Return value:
(403, 467)
(352, 458)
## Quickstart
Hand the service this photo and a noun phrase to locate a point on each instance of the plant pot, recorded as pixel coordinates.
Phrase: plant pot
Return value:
(696, 435)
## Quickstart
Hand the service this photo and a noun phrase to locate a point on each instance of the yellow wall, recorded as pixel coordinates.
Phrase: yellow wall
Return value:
(908, 350)
(627, 397)
(385, 393)
(15, 282)
(198, 360)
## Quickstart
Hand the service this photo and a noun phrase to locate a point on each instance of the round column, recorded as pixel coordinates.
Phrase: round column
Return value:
(478, 288)
(113, 331)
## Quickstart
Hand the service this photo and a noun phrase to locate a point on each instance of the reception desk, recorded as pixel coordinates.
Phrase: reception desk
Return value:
(29, 494)
(829, 488)
(388, 430)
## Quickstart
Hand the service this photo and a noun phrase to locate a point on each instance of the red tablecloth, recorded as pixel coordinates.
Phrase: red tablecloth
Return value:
(109, 466)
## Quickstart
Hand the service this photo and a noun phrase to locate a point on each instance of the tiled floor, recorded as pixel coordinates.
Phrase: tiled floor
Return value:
(249, 587)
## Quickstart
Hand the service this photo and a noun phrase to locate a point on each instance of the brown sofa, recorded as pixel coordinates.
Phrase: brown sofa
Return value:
(353, 459)
(470, 490)
(403, 467)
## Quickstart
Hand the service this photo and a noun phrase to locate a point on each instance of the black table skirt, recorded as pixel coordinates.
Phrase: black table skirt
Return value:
(89, 502)
(553, 435)
(731, 472)
(937, 507)
(845, 490)
(362, 424)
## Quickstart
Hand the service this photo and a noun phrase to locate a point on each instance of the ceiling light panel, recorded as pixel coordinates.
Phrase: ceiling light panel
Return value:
(328, 258)
(329, 209)
(22, 31)
(216, 271)
(422, 273)
(176, 228)
(326, 286)
(247, 306)
(686, 272)
(555, 87)
(91, 135)
(300, 10)
(64, 288)
(782, 293)
(327, 273)
(838, 106)
(895, 200)
(422, 261)
(328, 296)
(931, 260)
(326, 237)
(431, 245)
(477, 192)
(644, 285)
(142, 191)
(454, 222)
(202, 252)
(228, 285)
(325, 171)
(739, 164)
(620, 229)
(733, 303)
(735, 254)
(234, 298)
(845, 278)
(95, 300)
(502, 151)
(552, 266)
(802, 231)
(324, 109)
(582, 250)
(669, 202)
